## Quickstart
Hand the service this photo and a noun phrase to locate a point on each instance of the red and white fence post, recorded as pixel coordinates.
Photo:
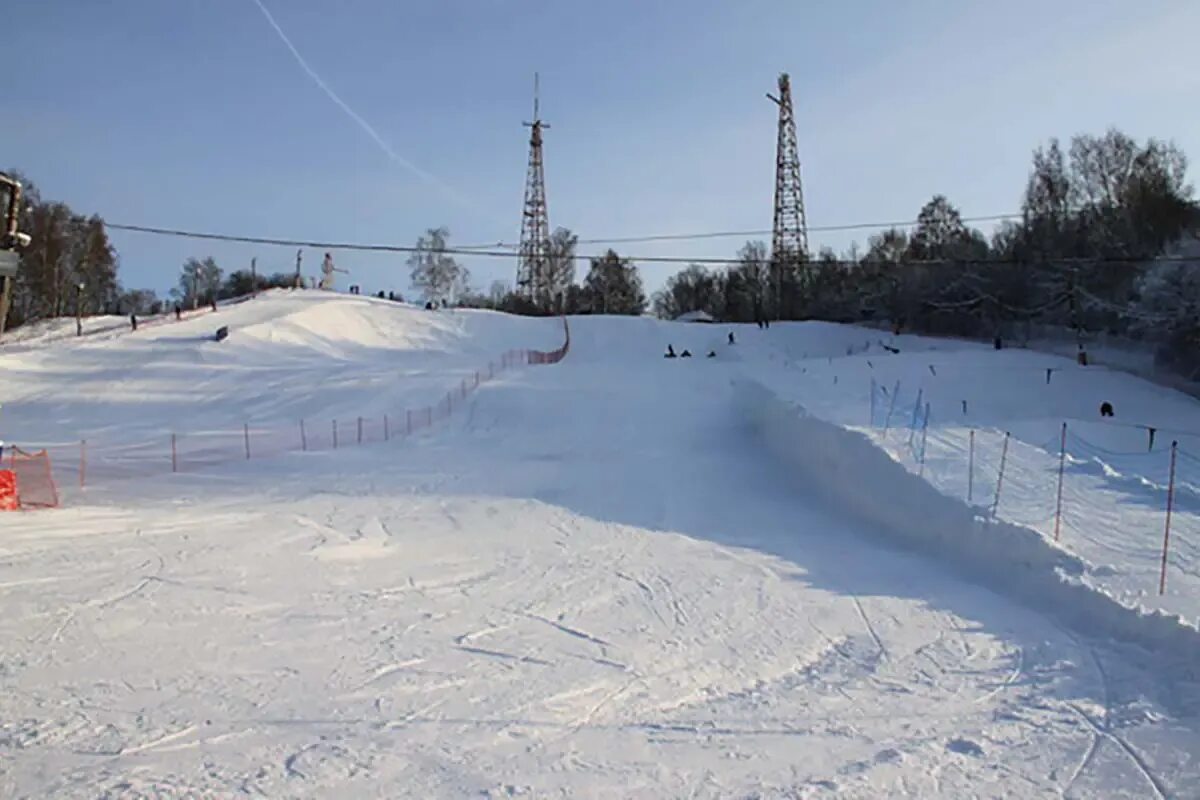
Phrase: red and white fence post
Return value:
(971, 467)
(1162, 575)
(1062, 462)
(912, 427)
(924, 436)
(887, 422)
(1000, 475)
(872, 422)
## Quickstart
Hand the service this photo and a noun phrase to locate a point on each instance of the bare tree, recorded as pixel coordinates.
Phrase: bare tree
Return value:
(435, 272)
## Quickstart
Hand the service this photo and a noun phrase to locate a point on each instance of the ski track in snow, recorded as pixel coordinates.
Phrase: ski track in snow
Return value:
(593, 583)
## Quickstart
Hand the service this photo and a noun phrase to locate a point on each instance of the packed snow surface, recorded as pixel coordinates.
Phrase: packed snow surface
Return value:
(619, 576)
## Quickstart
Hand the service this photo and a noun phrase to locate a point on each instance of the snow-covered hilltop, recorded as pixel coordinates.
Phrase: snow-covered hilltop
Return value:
(619, 576)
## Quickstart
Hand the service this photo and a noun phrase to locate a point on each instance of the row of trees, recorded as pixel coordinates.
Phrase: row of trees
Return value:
(70, 267)
(1107, 242)
(202, 281)
(612, 284)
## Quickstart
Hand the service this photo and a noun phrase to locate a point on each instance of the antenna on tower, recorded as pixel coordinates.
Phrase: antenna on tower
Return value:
(533, 257)
(789, 235)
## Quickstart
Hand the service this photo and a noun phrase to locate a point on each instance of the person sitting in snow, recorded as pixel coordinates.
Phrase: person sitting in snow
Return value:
(686, 354)
(670, 352)
(712, 353)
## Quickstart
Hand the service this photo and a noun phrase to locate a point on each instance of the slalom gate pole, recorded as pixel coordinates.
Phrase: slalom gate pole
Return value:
(887, 422)
(970, 466)
(174, 455)
(82, 463)
(872, 421)
(303, 437)
(386, 432)
(912, 426)
(335, 434)
(1162, 575)
(246, 433)
(1000, 475)
(924, 435)
(360, 430)
(1062, 461)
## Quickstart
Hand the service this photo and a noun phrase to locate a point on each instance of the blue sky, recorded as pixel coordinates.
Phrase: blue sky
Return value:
(193, 114)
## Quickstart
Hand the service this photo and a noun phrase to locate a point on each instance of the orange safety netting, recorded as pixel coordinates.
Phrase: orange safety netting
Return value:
(34, 479)
(8, 491)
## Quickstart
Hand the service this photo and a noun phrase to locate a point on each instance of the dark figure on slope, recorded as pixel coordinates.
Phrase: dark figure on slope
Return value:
(1106, 409)
(670, 352)
(686, 354)
(731, 337)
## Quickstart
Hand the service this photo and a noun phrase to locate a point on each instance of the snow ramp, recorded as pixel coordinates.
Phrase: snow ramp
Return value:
(851, 472)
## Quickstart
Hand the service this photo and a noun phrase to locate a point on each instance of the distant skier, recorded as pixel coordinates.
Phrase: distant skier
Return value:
(1106, 409)
(214, 305)
(178, 312)
(133, 321)
(670, 352)
(731, 340)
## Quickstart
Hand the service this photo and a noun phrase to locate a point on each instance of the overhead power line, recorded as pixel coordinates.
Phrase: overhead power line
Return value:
(495, 252)
(679, 237)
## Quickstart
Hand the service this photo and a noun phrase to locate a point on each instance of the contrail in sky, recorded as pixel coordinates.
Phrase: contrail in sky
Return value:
(362, 123)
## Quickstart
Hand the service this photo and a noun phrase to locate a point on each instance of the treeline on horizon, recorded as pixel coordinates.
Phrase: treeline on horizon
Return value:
(1108, 241)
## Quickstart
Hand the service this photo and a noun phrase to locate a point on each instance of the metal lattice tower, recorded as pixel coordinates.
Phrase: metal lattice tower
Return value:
(789, 238)
(534, 256)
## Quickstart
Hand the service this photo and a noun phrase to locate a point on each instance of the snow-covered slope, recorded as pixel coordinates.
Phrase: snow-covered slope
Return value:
(290, 356)
(1115, 484)
(604, 578)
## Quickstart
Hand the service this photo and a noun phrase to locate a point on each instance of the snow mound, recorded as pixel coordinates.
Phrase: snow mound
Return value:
(847, 469)
(290, 355)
